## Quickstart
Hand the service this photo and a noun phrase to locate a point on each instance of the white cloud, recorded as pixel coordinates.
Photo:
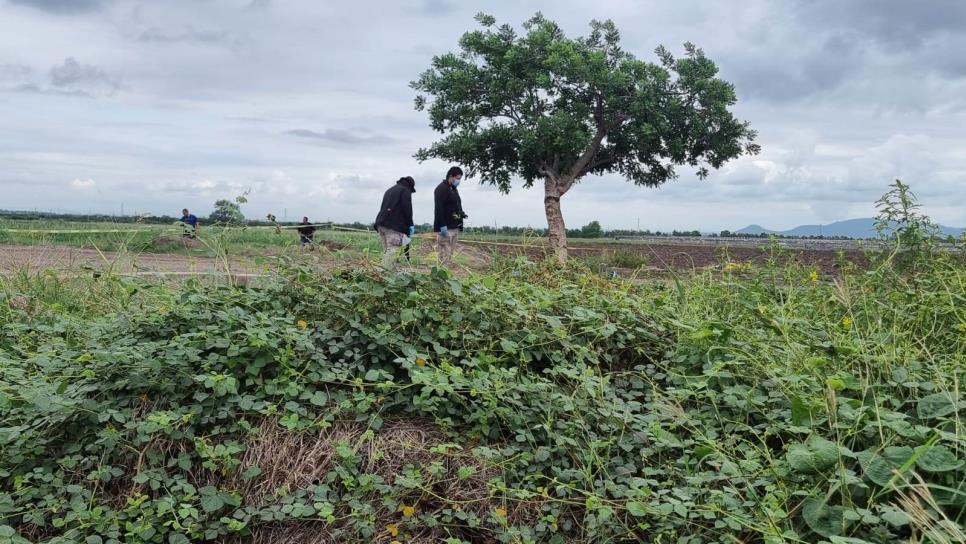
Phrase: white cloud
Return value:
(83, 184)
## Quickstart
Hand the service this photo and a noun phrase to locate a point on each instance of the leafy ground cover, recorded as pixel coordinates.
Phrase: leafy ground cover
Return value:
(530, 404)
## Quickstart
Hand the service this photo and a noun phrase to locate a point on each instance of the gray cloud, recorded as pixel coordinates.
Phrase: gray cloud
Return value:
(192, 35)
(434, 8)
(70, 78)
(63, 6)
(342, 137)
(893, 23)
(74, 77)
(16, 72)
(31, 88)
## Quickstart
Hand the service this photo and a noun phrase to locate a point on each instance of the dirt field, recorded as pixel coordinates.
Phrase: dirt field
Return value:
(65, 257)
(658, 257)
(681, 257)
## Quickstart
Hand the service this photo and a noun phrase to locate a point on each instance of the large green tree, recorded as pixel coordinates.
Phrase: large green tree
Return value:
(227, 212)
(544, 107)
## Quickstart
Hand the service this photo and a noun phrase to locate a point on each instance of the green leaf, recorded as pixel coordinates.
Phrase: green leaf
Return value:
(815, 455)
(822, 518)
(178, 538)
(466, 471)
(847, 540)
(881, 467)
(212, 503)
(936, 405)
(801, 415)
(937, 459)
(251, 472)
(456, 287)
(637, 508)
(508, 346)
(893, 516)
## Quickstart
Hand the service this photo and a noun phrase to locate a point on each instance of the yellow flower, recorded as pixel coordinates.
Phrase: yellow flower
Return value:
(393, 529)
(302, 324)
(408, 511)
(813, 275)
(500, 512)
(962, 327)
(847, 322)
(420, 361)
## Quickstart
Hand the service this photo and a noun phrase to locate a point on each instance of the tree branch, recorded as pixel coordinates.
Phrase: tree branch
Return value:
(580, 167)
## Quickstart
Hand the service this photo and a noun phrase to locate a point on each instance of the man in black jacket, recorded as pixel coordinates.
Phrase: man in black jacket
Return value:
(306, 232)
(395, 219)
(448, 220)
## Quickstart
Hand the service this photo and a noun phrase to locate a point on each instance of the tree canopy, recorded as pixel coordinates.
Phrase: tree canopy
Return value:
(227, 212)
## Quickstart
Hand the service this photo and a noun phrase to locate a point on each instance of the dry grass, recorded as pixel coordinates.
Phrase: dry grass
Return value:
(289, 460)
(930, 523)
(296, 460)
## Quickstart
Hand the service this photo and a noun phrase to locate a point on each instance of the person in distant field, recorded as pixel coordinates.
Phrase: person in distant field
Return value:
(395, 219)
(449, 216)
(190, 223)
(306, 232)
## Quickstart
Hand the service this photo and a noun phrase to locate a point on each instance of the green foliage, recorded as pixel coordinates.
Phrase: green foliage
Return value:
(544, 106)
(899, 219)
(590, 230)
(761, 407)
(227, 212)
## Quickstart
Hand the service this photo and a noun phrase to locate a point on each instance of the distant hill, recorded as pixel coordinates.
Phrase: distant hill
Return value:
(853, 228)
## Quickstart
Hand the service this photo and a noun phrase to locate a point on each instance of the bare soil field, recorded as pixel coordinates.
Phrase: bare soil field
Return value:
(678, 257)
(13, 257)
(682, 257)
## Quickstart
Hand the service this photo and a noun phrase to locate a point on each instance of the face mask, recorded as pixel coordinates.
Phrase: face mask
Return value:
(456, 182)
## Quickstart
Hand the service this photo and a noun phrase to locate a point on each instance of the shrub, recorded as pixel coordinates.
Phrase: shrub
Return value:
(540, 405)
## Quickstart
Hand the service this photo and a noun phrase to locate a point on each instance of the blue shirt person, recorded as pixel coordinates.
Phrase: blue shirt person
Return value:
(190, 223)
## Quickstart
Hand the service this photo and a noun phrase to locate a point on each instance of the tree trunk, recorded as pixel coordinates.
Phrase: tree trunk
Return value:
(556, 229)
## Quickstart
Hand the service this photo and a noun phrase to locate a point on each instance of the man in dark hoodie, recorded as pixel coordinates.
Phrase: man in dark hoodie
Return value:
(306, 231)
(448, 220)
(395, 219)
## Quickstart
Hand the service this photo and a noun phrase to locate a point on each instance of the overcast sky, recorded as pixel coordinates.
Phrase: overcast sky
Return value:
(154, 106)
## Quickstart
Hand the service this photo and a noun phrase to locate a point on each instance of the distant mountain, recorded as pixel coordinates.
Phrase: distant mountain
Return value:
(853, 228)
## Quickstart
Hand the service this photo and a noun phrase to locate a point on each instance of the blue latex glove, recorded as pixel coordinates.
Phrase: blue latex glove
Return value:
(443, 231)
(412, 230)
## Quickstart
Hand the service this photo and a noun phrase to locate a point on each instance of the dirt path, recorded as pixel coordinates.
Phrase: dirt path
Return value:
(35, 258)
